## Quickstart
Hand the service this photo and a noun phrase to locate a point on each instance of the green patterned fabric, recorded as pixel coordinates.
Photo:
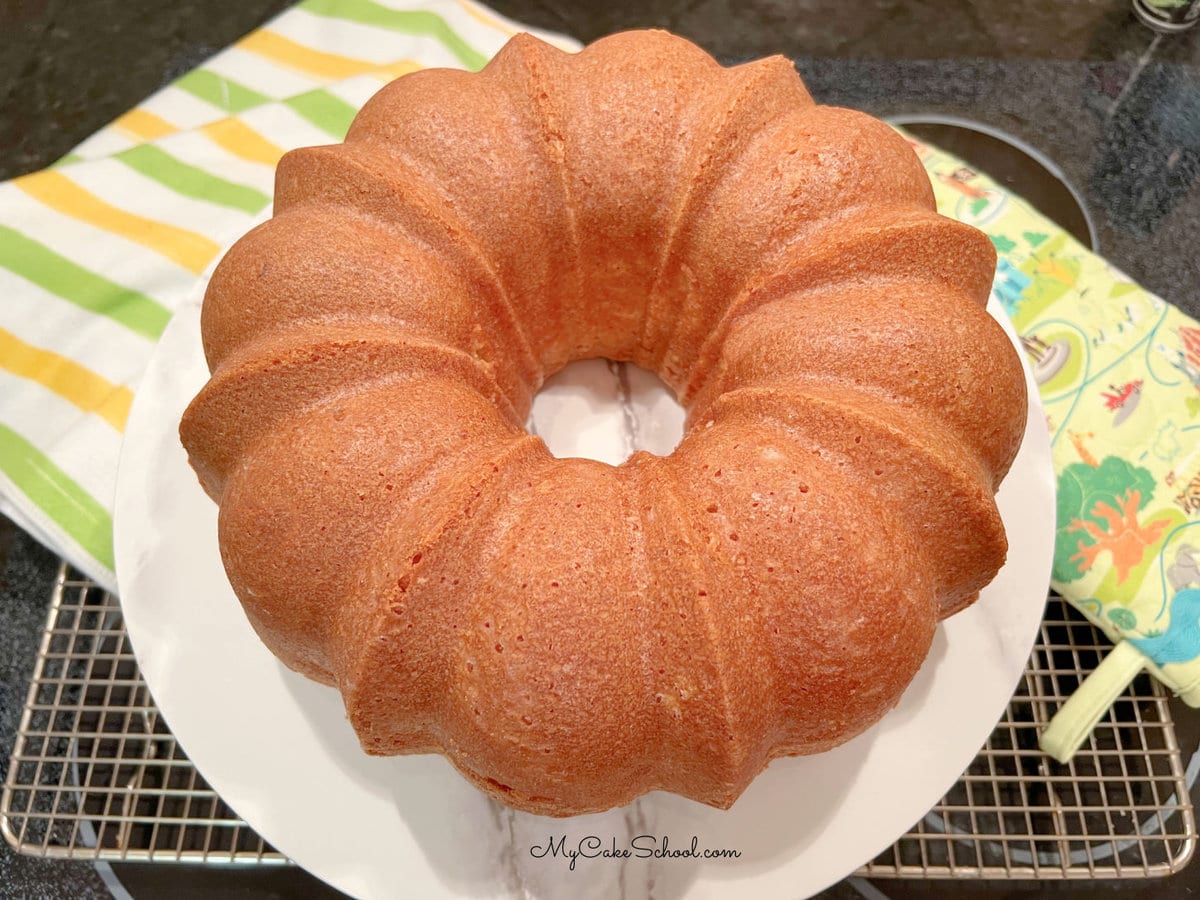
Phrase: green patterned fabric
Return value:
(1118, 370)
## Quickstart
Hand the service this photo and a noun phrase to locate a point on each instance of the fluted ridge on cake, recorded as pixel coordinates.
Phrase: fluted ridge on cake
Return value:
(358, 176)
(797, 176)
(568, 634)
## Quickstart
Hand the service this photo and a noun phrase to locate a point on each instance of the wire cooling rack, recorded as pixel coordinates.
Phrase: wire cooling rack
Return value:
(96, 774)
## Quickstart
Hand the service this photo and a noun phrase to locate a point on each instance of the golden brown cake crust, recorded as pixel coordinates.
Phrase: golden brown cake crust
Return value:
(569, 634)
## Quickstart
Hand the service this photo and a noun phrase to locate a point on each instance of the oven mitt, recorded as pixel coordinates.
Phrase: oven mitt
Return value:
(1118, 371)
(98, 251)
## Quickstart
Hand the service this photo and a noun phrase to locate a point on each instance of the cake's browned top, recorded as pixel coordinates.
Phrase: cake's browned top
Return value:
(568, 633)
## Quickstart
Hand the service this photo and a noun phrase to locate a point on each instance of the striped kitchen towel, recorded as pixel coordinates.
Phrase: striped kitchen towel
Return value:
(98, 250)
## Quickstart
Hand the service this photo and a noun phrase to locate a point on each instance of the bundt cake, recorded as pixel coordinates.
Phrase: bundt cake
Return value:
(572, 634)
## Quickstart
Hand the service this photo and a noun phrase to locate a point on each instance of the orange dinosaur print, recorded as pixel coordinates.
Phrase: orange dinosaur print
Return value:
(1120, 394)
(958, 180)
(1084, 453)
(1055, 270)
(1124, 538)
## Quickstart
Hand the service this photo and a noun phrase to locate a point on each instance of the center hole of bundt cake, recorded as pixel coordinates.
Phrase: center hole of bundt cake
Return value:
(604, 410)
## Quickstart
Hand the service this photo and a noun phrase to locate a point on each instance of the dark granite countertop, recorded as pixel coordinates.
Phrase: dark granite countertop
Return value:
(1081, 81)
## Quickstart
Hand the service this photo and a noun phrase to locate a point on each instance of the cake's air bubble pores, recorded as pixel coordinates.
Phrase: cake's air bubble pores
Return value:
(607, 411)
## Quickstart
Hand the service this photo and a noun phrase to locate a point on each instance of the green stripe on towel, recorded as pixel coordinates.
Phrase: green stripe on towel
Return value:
(220, 91)
(416, 22)
(57, 494)
(55, 273)
(331, 114)
(191, 181)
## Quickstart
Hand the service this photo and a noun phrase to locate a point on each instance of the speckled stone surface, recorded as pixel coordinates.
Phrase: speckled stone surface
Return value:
(69, 67)
(1117, 108)
(25, 579)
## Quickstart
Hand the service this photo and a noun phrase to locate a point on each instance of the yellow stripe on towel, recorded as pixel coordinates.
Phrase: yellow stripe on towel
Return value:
(483, 18)
(285, 51)
(243, 141)
(143, 126)
(71, 381)
(191, 250)
(400, 67)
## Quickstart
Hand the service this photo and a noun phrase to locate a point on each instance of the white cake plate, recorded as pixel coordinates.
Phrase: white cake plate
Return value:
(279, 749)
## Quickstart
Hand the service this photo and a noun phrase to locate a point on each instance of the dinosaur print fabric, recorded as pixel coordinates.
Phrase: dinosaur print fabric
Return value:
(1118, 370)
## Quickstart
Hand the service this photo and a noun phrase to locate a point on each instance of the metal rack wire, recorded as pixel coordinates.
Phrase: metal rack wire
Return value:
(96, 774)
(1119, 809)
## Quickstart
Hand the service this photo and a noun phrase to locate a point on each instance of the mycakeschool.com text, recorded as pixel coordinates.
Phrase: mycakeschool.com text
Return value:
(642, 846)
